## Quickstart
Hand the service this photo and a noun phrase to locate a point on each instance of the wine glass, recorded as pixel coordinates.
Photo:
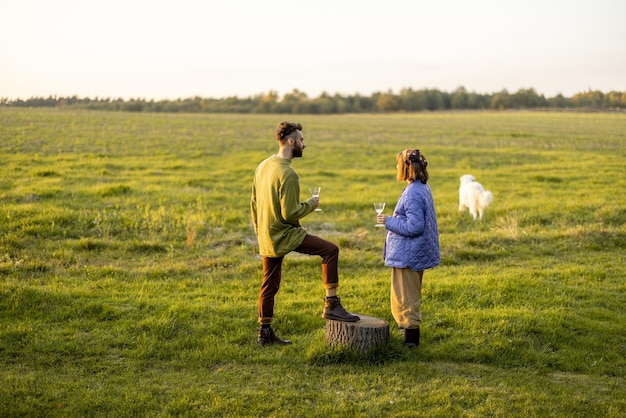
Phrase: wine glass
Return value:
(315, 192)
(379, 207)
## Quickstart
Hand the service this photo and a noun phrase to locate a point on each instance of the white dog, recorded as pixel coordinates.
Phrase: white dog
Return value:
(472, 195)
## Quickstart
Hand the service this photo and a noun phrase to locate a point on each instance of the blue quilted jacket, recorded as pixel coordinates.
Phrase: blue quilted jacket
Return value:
(412, 237)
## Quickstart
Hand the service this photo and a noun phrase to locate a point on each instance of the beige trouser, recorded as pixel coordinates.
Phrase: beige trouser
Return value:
(406, 297)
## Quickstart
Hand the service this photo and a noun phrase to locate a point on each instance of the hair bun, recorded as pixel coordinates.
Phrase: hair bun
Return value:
(414, 156)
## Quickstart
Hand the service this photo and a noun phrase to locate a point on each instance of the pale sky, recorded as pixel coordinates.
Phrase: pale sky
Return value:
(158, 49)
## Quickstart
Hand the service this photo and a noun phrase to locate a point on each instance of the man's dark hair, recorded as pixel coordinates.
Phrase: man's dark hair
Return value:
(286, 129)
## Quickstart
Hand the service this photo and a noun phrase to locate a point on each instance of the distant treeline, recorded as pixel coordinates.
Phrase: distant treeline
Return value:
(297, 102)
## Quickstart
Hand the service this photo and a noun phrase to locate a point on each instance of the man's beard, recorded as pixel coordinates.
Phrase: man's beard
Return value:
(297, 152)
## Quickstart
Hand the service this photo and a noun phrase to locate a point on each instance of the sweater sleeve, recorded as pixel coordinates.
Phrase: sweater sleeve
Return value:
(292, 210)
(253, 209)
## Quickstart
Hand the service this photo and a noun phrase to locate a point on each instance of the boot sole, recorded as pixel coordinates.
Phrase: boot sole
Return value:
(265, 343)
(341, 319)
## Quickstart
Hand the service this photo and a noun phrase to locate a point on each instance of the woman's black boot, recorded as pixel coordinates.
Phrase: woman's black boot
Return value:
(412, 337)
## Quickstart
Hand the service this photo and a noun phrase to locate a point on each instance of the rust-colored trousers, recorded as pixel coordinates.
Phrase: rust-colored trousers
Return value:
(272, 271)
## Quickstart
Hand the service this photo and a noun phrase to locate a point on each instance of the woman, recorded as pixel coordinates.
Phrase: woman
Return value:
(412, 243)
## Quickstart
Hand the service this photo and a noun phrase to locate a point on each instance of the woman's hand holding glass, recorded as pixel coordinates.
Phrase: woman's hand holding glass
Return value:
(379, 207)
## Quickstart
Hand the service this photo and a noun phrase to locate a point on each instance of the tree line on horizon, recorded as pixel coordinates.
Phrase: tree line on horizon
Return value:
(297, 102)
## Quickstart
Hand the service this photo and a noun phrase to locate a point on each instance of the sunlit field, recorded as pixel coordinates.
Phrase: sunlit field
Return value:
(129, 272)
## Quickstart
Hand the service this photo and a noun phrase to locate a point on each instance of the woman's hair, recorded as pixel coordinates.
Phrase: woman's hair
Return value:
(287, 130)
(412, 166)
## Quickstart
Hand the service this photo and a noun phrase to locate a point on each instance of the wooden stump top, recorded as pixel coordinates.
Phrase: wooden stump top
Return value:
(366, 321)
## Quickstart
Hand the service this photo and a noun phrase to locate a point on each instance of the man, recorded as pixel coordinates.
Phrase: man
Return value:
(276, 210)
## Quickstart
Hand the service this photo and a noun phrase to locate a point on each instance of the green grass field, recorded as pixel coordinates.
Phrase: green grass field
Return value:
(129, 273)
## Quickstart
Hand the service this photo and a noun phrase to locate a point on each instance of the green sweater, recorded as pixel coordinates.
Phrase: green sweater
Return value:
(276, 208)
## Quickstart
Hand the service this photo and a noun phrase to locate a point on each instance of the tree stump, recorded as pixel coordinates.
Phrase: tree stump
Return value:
(363, 335)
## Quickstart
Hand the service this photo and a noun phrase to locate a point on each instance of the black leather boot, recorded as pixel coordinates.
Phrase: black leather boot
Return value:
(267, 336)
(412, 337)
(334, 310)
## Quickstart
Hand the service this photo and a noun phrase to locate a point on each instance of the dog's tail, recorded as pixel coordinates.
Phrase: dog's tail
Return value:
(486, 198)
